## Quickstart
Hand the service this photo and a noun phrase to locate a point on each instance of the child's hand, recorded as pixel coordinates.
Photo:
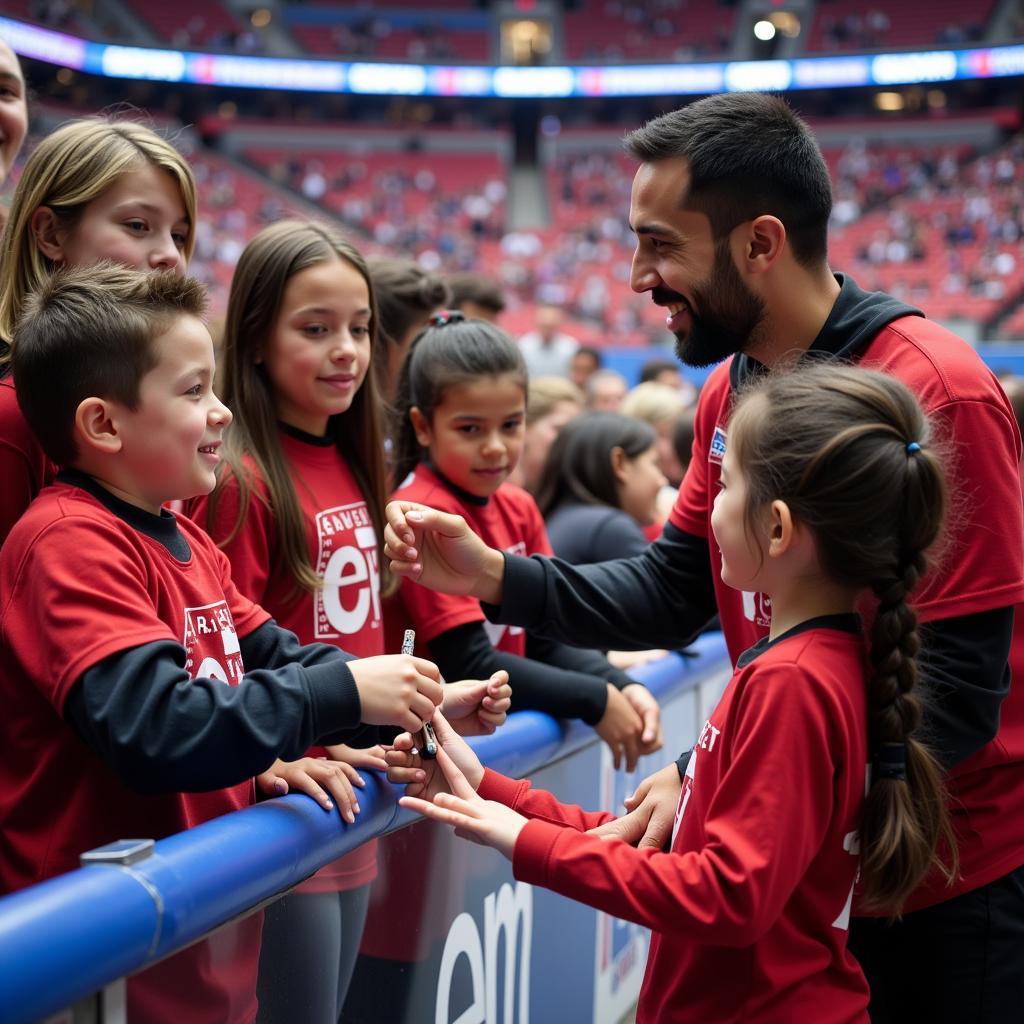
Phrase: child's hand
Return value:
(621, 728)
(644, 703)
(482, 821)
(359, 757)
(476, 707)
(422, 777)
(440, 551)
(309, 775)
(397, 689)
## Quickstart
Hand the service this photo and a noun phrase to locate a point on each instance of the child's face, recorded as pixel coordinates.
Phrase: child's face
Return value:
(741, 562)
(170, 441)
(475, 436)
(639, 483)
(13, 111)
(139, 222)
(319, 349)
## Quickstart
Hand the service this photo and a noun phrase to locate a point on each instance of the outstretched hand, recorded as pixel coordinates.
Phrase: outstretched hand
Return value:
(652, 812)
(423, 777)
(440, 551)
(481, 821)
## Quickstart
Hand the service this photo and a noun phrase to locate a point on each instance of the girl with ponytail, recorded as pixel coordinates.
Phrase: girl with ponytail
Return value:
(809, 774)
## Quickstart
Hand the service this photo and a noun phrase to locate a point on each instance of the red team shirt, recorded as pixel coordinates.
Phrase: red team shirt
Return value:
(24, 468)
(509, 521)
(757, 886)
(343, 549)
(81, 584)
(982, 566)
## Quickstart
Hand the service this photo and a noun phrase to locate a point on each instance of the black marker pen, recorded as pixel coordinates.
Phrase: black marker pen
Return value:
(428, 746)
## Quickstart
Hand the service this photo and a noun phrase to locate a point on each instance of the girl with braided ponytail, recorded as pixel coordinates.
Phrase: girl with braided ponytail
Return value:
(831, 496)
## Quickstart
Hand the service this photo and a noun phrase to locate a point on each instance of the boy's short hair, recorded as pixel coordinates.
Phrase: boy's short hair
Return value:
(89, 332)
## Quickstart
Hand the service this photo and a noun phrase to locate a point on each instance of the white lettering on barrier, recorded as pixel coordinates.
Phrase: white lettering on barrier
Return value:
(509, 910)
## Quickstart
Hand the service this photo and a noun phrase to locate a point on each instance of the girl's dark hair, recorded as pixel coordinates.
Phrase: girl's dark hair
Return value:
(456, 352)
(406, 295)
(579, 463)
(849, 451)
(268, 263)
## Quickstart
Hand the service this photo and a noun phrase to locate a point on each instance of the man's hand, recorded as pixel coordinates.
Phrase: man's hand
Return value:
(440, 551)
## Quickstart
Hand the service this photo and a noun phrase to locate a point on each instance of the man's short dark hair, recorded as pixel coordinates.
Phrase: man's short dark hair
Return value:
(470, 287)
(749, 154)
(89, 332)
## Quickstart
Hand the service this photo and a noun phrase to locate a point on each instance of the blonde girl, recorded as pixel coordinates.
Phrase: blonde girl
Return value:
(94, 189)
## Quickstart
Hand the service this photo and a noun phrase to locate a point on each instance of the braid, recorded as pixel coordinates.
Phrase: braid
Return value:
(905, 814)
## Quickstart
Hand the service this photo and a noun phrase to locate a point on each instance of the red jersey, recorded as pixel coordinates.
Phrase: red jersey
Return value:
(24, 467)
(79, 584)
(750, 909)
(509, 520)
(343, 551)
(982, 567)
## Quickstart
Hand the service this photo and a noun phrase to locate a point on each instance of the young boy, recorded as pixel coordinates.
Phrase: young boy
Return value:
(141, 692)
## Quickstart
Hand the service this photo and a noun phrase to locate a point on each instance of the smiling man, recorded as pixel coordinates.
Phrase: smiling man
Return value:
(730, 206)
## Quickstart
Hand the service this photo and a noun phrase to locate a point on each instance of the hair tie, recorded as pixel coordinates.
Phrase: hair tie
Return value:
(891, 761)
(913, 447)
(447, 316)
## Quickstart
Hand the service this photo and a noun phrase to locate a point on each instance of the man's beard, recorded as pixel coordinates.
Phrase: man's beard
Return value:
(730, 312)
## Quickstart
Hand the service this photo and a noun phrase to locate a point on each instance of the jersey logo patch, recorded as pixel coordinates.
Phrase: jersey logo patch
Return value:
(349, 600)
(716, 452)
(211, 644)
(757, 608)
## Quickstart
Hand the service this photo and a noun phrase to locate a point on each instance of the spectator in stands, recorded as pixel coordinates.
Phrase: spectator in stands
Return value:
(13, 110)
(659, 405)
(585, 362)
(407, 297)
(730, 206)
(682, 438)
(477, 296)
(548, 349)
(665, 371)
(599, 487)
(606, 391)
(552, 403)
(661, 371)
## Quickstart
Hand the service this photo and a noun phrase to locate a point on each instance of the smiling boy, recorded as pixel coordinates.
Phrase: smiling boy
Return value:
(142, 691)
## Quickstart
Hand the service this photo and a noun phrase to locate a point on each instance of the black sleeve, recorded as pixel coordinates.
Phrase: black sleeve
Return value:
(965, 676)
(576, 659)
(271, 646)
(466, 653)
(162, 732)
(662, 598)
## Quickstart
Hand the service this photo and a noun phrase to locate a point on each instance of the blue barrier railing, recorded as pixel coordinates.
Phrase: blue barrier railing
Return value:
(73, 935)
